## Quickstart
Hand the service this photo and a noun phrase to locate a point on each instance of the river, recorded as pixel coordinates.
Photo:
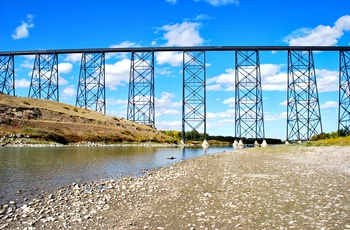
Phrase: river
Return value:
(26, 172)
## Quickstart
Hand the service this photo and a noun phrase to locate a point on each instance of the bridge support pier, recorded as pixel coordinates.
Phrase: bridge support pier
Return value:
(44, 82)
(303, 110)
(249, 119)
(344, 93)
(141, 89)
(7, 74)
(194, 92)
(91, 84)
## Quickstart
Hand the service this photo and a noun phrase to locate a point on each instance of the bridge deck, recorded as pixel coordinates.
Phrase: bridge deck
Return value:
(174, 49)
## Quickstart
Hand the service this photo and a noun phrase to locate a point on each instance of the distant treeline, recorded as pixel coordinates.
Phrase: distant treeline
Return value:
(195, 136)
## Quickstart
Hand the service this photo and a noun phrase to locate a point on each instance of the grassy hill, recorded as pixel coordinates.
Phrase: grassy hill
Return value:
(49, 121)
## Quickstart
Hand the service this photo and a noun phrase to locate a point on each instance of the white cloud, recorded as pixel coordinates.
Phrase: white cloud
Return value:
(179, 34)
(112, 101)
(274, 117)
(172, 58)
(214, 87)
(284, 103)
(62, 81)
(117, 74)
(22, 83)
(65, 67)
(225, 80)
(22, 31)
(124, 44)
(272, 78)
(27, 64)
(203, 17)
(327, 80)
(184, 34)
(169, 125)
(69, 92)
(329, 104)
(73, 57)
(220, 2)
(321, 35)
(171, 1)
(230, 101)
(165, 105)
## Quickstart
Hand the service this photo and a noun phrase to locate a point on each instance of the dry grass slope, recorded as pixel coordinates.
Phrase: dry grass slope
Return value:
(45, 120)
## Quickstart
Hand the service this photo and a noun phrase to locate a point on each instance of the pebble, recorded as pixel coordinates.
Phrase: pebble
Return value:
(247, 190)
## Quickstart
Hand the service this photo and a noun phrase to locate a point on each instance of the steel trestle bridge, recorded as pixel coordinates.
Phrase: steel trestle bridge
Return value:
(303, 108)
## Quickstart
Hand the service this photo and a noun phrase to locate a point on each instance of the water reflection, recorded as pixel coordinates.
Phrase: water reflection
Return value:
(32, 170)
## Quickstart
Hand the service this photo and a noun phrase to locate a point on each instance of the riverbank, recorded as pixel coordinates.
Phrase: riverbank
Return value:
(276, 187)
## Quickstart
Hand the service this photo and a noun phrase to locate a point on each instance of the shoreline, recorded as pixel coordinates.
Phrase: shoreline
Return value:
(278, 186)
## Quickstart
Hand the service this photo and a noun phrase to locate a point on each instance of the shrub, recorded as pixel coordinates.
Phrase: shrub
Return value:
(65, 107)
(75, 110)
(26, 103)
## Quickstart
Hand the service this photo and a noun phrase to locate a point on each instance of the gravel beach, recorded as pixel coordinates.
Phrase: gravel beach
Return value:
(278, 187)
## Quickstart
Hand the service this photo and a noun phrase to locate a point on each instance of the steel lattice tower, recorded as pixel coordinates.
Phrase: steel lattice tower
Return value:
(344, 92)
(91, 85)
(194, 92)
(7, 74)
(303, 110)
(249, 117)
(44, 82)
(141, 89)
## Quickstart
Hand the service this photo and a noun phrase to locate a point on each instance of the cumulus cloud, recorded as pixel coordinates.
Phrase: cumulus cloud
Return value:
(22, 31)
(327, 80)
(65, 67)
(69, 92)
(184, 34)
(179, 34)
(117, 74)
(171, 1)
(73, 57)
(169, 125)
(274, 78)
(166, 105)
(224, 81)
(62, 81)
(329, 104)
(22, 83)
(230, 101)
(321, 35)
(124, 44)
(220, 2)
(171, 58)
(274, 117)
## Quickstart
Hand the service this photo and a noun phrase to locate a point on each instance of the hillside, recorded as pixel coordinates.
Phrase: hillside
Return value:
(48, 121)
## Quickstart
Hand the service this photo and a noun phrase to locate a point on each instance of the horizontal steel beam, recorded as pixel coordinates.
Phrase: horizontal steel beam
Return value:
(177, 49)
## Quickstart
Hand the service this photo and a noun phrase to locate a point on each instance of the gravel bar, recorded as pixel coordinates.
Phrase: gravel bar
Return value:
(278, 187)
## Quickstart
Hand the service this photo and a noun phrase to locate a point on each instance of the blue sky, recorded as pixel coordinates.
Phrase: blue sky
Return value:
(37, 25)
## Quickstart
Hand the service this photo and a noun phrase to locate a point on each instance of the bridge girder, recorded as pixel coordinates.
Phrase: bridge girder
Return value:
(44, 81)
(194, 92)
(303, 109)
(7, 74)
(344, 93)
(91, 84)
(141, 89)
(249, 118)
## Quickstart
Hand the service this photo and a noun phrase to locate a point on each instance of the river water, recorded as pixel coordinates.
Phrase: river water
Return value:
(26, 172)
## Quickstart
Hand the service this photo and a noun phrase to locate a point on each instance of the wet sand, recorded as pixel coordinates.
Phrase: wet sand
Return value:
(278, 187)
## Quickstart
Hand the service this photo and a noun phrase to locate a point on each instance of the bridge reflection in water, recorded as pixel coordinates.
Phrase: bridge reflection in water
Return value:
(303, 109)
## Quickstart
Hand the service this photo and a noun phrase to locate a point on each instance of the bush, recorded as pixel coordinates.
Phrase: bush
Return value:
(26, 103)
(75, 110)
